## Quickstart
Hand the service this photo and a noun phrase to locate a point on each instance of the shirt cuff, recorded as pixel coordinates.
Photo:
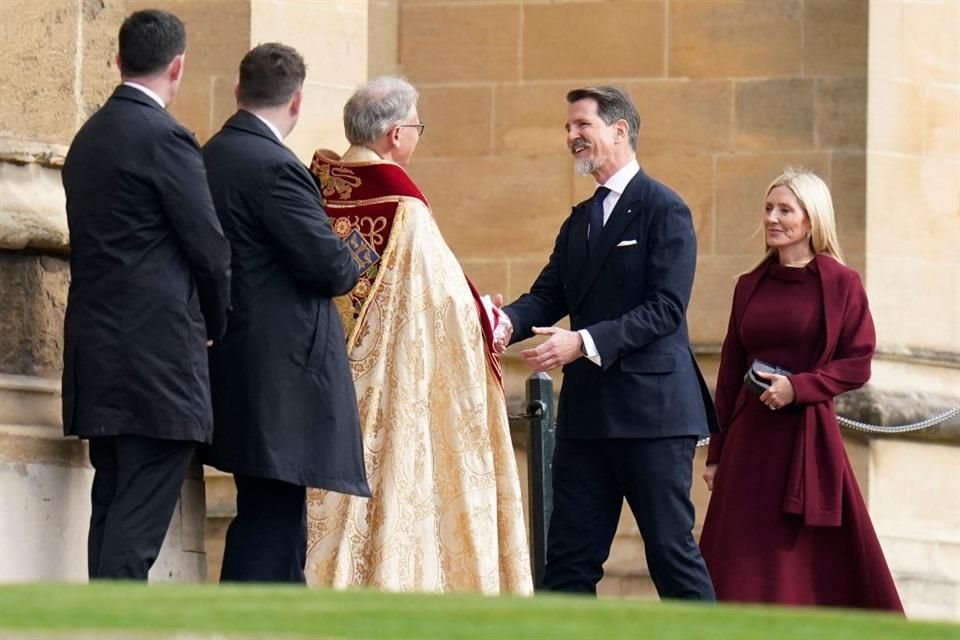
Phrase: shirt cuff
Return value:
(591, 349)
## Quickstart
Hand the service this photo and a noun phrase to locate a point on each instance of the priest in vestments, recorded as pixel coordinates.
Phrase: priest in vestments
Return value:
(445, 512)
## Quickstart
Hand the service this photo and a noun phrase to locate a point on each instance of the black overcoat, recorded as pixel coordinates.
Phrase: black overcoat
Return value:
(284, 402)
(149, 269)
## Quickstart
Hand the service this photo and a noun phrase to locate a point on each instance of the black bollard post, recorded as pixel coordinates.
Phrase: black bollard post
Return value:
(540, 468)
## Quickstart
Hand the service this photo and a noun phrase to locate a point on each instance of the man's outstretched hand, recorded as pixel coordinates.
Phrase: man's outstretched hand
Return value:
(561, 347)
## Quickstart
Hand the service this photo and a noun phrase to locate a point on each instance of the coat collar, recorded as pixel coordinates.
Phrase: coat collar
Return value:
(249, 123)
(832, 293)
(126, 92)
(628, 206)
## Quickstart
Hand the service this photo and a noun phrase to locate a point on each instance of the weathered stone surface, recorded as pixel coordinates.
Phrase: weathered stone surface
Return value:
(841, 113)
(835, 37)
(488, 276)
(931, 48)
(32, 207)
(458, 121)
(775, 114)
(915, 302)
(33, 401)
(560, 41)
(914, 207)
(529, 118)
(941, 127)
(383, 37)
(483, 46)
(679, 116)
(848, 186)
(895, 107)
(38, 45)
(331, 36)
(101, 20)
(34, 293)
(524, 202)
(735, 38)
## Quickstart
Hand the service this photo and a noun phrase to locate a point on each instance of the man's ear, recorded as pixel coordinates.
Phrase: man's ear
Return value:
(175, 70)
(623, 130)
(119, 66)
(296, 103)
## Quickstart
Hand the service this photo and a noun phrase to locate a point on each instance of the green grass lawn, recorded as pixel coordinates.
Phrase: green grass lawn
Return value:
(133, 610)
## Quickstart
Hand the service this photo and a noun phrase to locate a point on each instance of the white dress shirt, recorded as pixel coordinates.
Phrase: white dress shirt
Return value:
(153, 96)
(617, 183)
(276, 131)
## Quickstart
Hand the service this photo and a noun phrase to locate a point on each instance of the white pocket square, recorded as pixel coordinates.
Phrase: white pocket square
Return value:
(627, 243)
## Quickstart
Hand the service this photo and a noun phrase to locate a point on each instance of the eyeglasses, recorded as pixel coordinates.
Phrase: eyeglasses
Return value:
(419, 127)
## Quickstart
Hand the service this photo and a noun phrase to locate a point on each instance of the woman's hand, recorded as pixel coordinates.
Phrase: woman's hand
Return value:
(709, 474)
(780, 393)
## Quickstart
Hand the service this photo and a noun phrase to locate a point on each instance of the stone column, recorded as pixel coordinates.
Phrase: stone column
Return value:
(913, 280)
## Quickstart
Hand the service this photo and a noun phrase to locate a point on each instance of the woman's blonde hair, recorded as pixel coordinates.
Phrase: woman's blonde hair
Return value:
(814, 197)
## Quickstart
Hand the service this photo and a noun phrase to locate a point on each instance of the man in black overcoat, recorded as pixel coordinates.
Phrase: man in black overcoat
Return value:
(284, 402)
(149, 289)
(633, 402)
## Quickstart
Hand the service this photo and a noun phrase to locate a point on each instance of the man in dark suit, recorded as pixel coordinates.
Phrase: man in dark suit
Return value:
(149, 289)
(284, 403)
(633, 403)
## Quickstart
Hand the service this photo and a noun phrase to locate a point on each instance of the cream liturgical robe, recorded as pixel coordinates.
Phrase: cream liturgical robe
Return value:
(446, 511)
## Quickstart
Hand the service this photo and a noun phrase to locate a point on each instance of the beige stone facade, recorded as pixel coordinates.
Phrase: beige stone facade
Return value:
(865, 92)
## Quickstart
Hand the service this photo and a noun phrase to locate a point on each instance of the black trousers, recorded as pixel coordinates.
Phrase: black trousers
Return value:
(267, 540)
(136, 485)
(591, 478)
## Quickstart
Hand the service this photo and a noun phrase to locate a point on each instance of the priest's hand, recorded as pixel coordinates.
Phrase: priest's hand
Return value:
(561, 347)
(780, 393)
(504, 329)
(709, 474)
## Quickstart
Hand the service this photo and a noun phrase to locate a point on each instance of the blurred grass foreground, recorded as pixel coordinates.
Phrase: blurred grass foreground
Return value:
(120, 610)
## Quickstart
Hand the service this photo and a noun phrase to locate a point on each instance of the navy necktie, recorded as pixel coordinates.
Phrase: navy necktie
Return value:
(596, 218)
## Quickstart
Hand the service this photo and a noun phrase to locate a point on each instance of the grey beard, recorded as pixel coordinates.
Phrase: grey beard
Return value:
(585, 167)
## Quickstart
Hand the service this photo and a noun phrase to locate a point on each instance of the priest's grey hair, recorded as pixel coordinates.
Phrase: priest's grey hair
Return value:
(376, 106)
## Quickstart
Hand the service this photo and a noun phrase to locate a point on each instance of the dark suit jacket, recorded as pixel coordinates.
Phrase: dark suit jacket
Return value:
(149, 270)
(284, 401)
(633, 300)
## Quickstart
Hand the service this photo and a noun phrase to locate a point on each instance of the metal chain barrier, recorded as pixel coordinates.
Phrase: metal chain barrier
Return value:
(865, 427)
(856, 425)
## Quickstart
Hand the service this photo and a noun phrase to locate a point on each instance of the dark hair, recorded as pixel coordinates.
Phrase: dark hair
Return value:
(270, 74)
(613, 103)
(149, 41)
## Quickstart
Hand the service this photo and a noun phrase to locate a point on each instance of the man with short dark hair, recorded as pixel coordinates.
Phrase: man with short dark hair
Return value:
(283, 398)
(149, 289)
(633, 402)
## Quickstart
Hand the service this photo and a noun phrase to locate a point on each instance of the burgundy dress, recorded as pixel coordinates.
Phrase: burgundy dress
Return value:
(755, 548)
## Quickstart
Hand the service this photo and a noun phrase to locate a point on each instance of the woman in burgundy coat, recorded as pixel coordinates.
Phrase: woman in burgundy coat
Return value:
(786, 522)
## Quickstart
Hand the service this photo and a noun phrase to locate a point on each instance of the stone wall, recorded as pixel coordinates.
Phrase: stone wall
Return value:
(729, 92)
(913, 280)
(914, 174)
(866, 92)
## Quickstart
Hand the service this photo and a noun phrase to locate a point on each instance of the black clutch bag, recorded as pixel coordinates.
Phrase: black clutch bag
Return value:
(755, 383)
